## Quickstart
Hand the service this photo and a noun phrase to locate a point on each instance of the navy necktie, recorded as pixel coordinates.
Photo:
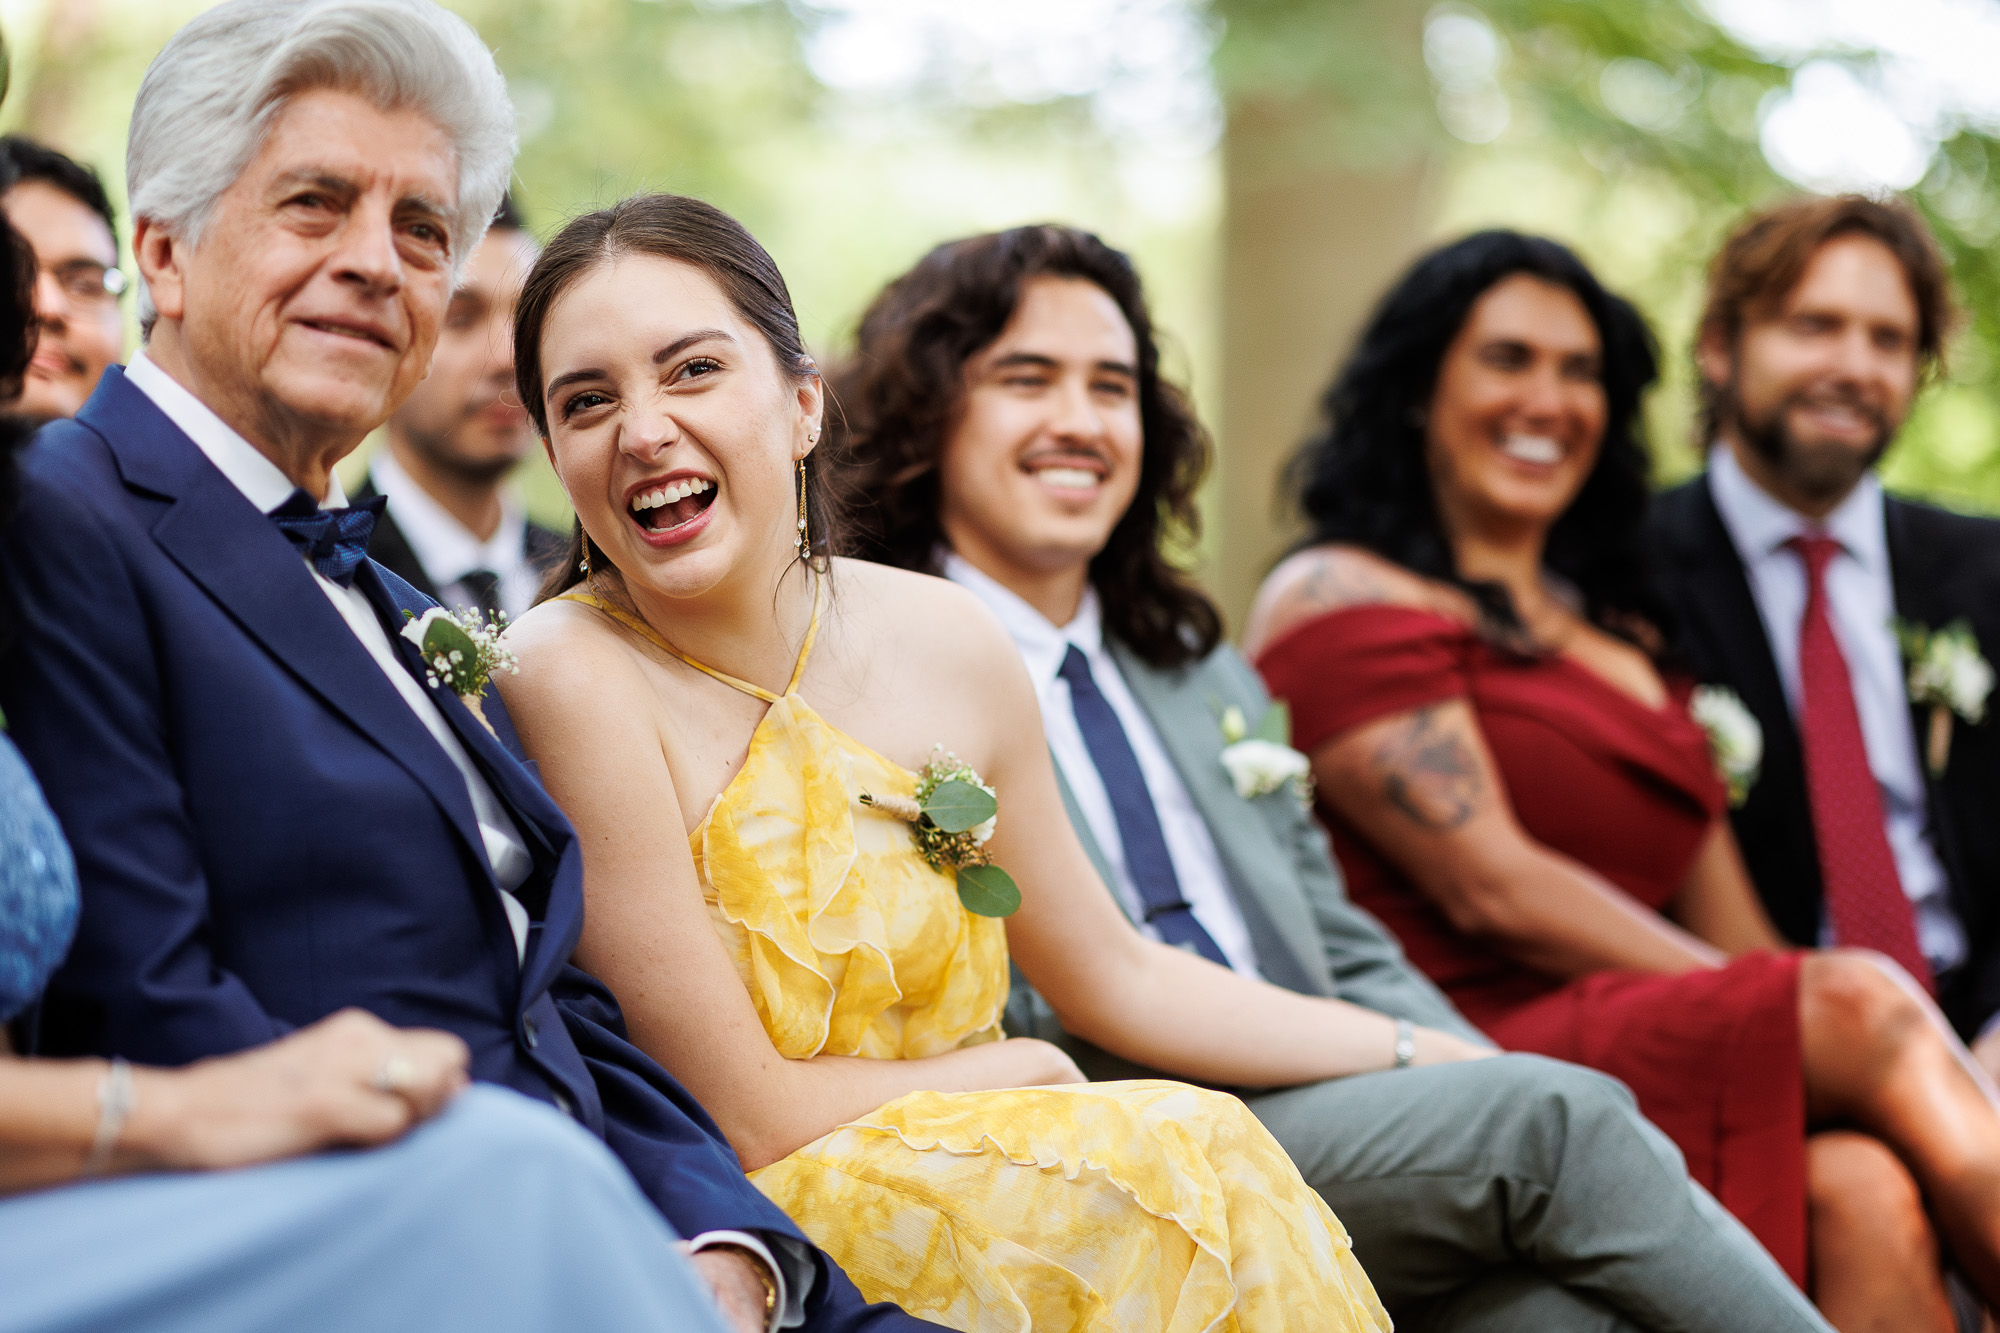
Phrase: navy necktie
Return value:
(1146, 857)
(333, 541)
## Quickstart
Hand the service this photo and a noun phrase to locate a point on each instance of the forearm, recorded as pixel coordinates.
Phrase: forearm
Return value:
(798, 1101)
(1560, 918)
(1717, 903)
(1168, 1009)
(49, 1121)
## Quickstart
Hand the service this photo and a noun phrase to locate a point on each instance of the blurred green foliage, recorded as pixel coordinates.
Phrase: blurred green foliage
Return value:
(1631, 132)
(715, 98)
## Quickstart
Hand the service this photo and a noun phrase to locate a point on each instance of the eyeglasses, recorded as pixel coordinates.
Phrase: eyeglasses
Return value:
(88, 282)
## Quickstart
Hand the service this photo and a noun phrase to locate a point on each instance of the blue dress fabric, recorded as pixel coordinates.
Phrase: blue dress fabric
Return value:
(500, 1216)
(38, 902)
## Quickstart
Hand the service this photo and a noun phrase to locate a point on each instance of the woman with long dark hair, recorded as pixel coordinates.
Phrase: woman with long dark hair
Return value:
(753, 737)
(1479, 668)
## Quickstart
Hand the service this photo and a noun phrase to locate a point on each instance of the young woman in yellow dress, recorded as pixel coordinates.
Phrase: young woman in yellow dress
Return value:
(710, 706)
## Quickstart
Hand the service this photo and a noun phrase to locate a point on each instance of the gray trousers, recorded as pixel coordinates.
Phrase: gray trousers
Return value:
(1530, 1194)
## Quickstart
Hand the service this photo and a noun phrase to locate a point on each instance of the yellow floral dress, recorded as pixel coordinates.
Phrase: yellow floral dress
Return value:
(1142, 1205)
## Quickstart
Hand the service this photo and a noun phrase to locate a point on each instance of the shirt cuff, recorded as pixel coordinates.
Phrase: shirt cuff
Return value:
(791, 1267)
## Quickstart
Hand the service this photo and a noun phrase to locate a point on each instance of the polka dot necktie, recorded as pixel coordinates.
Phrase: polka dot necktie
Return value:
(1864, 895)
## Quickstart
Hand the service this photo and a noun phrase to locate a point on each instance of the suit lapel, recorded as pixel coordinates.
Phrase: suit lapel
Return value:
(242, 561)
(540, 822)
(1915, 584)
(1723, 615)
(391, 548)
(1258, 865)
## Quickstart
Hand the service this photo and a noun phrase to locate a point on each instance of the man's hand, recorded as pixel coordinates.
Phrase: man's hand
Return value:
(736, 1278)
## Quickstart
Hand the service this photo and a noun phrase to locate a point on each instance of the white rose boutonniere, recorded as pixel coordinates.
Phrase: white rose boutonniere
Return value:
(1735, 740)
(1260, 763)
(1947, 672)
(461, 651)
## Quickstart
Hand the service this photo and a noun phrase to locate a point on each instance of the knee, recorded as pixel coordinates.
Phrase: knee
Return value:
(486, 1126)
(1858, 1190)
(1544, 1098)
(1859, 999)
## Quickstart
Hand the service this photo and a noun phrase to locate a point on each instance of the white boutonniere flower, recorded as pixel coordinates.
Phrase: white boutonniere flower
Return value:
(1947, 672)
(1735, 739)
(460, 650)
(1260, 763)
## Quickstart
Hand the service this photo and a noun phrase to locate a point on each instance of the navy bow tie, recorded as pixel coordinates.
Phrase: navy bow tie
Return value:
(332, 540)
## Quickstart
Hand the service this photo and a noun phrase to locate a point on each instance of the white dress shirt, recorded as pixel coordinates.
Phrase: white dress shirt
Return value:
(1861, 598)
(267, 488)
(1204, 883)
(448, 550)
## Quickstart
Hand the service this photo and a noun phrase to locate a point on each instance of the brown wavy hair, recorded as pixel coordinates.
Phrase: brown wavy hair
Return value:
(1760, 264)
(668, 226)
(900, 393)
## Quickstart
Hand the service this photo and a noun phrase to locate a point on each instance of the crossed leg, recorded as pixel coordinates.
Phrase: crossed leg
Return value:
(1880, 1059)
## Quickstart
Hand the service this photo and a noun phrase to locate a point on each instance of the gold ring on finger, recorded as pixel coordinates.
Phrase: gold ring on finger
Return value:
(396, 1076)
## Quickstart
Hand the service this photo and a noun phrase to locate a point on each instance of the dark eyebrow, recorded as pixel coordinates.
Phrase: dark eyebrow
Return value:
(1042, 361)
(569, 377)
(685, 341)
(667, 353)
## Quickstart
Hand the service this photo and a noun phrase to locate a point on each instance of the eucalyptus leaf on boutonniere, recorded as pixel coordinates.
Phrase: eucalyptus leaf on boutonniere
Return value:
(952, 817)
(1262, 761)
(461, 651)
(1947, 672)
(1735, 737)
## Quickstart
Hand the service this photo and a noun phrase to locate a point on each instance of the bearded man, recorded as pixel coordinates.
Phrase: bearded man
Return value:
(1870, 822)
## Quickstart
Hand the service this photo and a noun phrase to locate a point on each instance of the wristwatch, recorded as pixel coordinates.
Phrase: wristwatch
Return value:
(1406, 1043)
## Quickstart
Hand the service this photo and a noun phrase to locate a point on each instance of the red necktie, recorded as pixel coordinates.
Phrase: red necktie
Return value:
(1864, 894)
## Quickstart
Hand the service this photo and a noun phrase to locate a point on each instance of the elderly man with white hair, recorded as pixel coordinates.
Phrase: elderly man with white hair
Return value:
(279, 807)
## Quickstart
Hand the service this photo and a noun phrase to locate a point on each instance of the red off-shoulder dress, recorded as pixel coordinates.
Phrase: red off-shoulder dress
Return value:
(1629, 791)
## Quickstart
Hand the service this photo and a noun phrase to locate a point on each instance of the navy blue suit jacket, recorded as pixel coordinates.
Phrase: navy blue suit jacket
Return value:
(266, 833)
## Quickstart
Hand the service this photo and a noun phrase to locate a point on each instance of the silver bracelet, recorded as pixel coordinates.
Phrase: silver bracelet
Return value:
(114, 1104)
(1406, 1043)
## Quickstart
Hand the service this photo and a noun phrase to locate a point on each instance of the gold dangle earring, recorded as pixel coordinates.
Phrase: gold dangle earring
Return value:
(583, 565)
(805, 543)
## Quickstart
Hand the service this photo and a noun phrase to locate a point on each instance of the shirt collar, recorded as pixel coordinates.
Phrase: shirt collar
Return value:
(1760, 525)
(259, 479)
(1043, 645)
(445, 547)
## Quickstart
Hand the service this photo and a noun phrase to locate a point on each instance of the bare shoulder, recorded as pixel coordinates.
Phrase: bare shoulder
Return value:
(931, 619)
(1327, 578)
(926, 663)
(567, 651)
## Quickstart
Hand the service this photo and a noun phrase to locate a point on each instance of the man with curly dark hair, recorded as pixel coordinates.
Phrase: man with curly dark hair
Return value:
(1007, 426)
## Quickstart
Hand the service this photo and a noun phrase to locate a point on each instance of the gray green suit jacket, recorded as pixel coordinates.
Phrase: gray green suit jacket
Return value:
(1309, 937)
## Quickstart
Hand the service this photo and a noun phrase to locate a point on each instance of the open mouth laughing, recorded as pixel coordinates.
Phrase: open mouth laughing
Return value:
(670, 508)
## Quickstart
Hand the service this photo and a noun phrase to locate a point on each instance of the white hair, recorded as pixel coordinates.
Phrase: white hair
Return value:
(210, 96)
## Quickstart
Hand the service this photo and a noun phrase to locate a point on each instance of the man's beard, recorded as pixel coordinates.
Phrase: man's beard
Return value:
(476, 472)
(1821, 473)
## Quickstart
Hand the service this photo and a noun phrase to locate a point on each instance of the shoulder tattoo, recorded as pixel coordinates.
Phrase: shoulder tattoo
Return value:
(1337, 580)
(1428, 772)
